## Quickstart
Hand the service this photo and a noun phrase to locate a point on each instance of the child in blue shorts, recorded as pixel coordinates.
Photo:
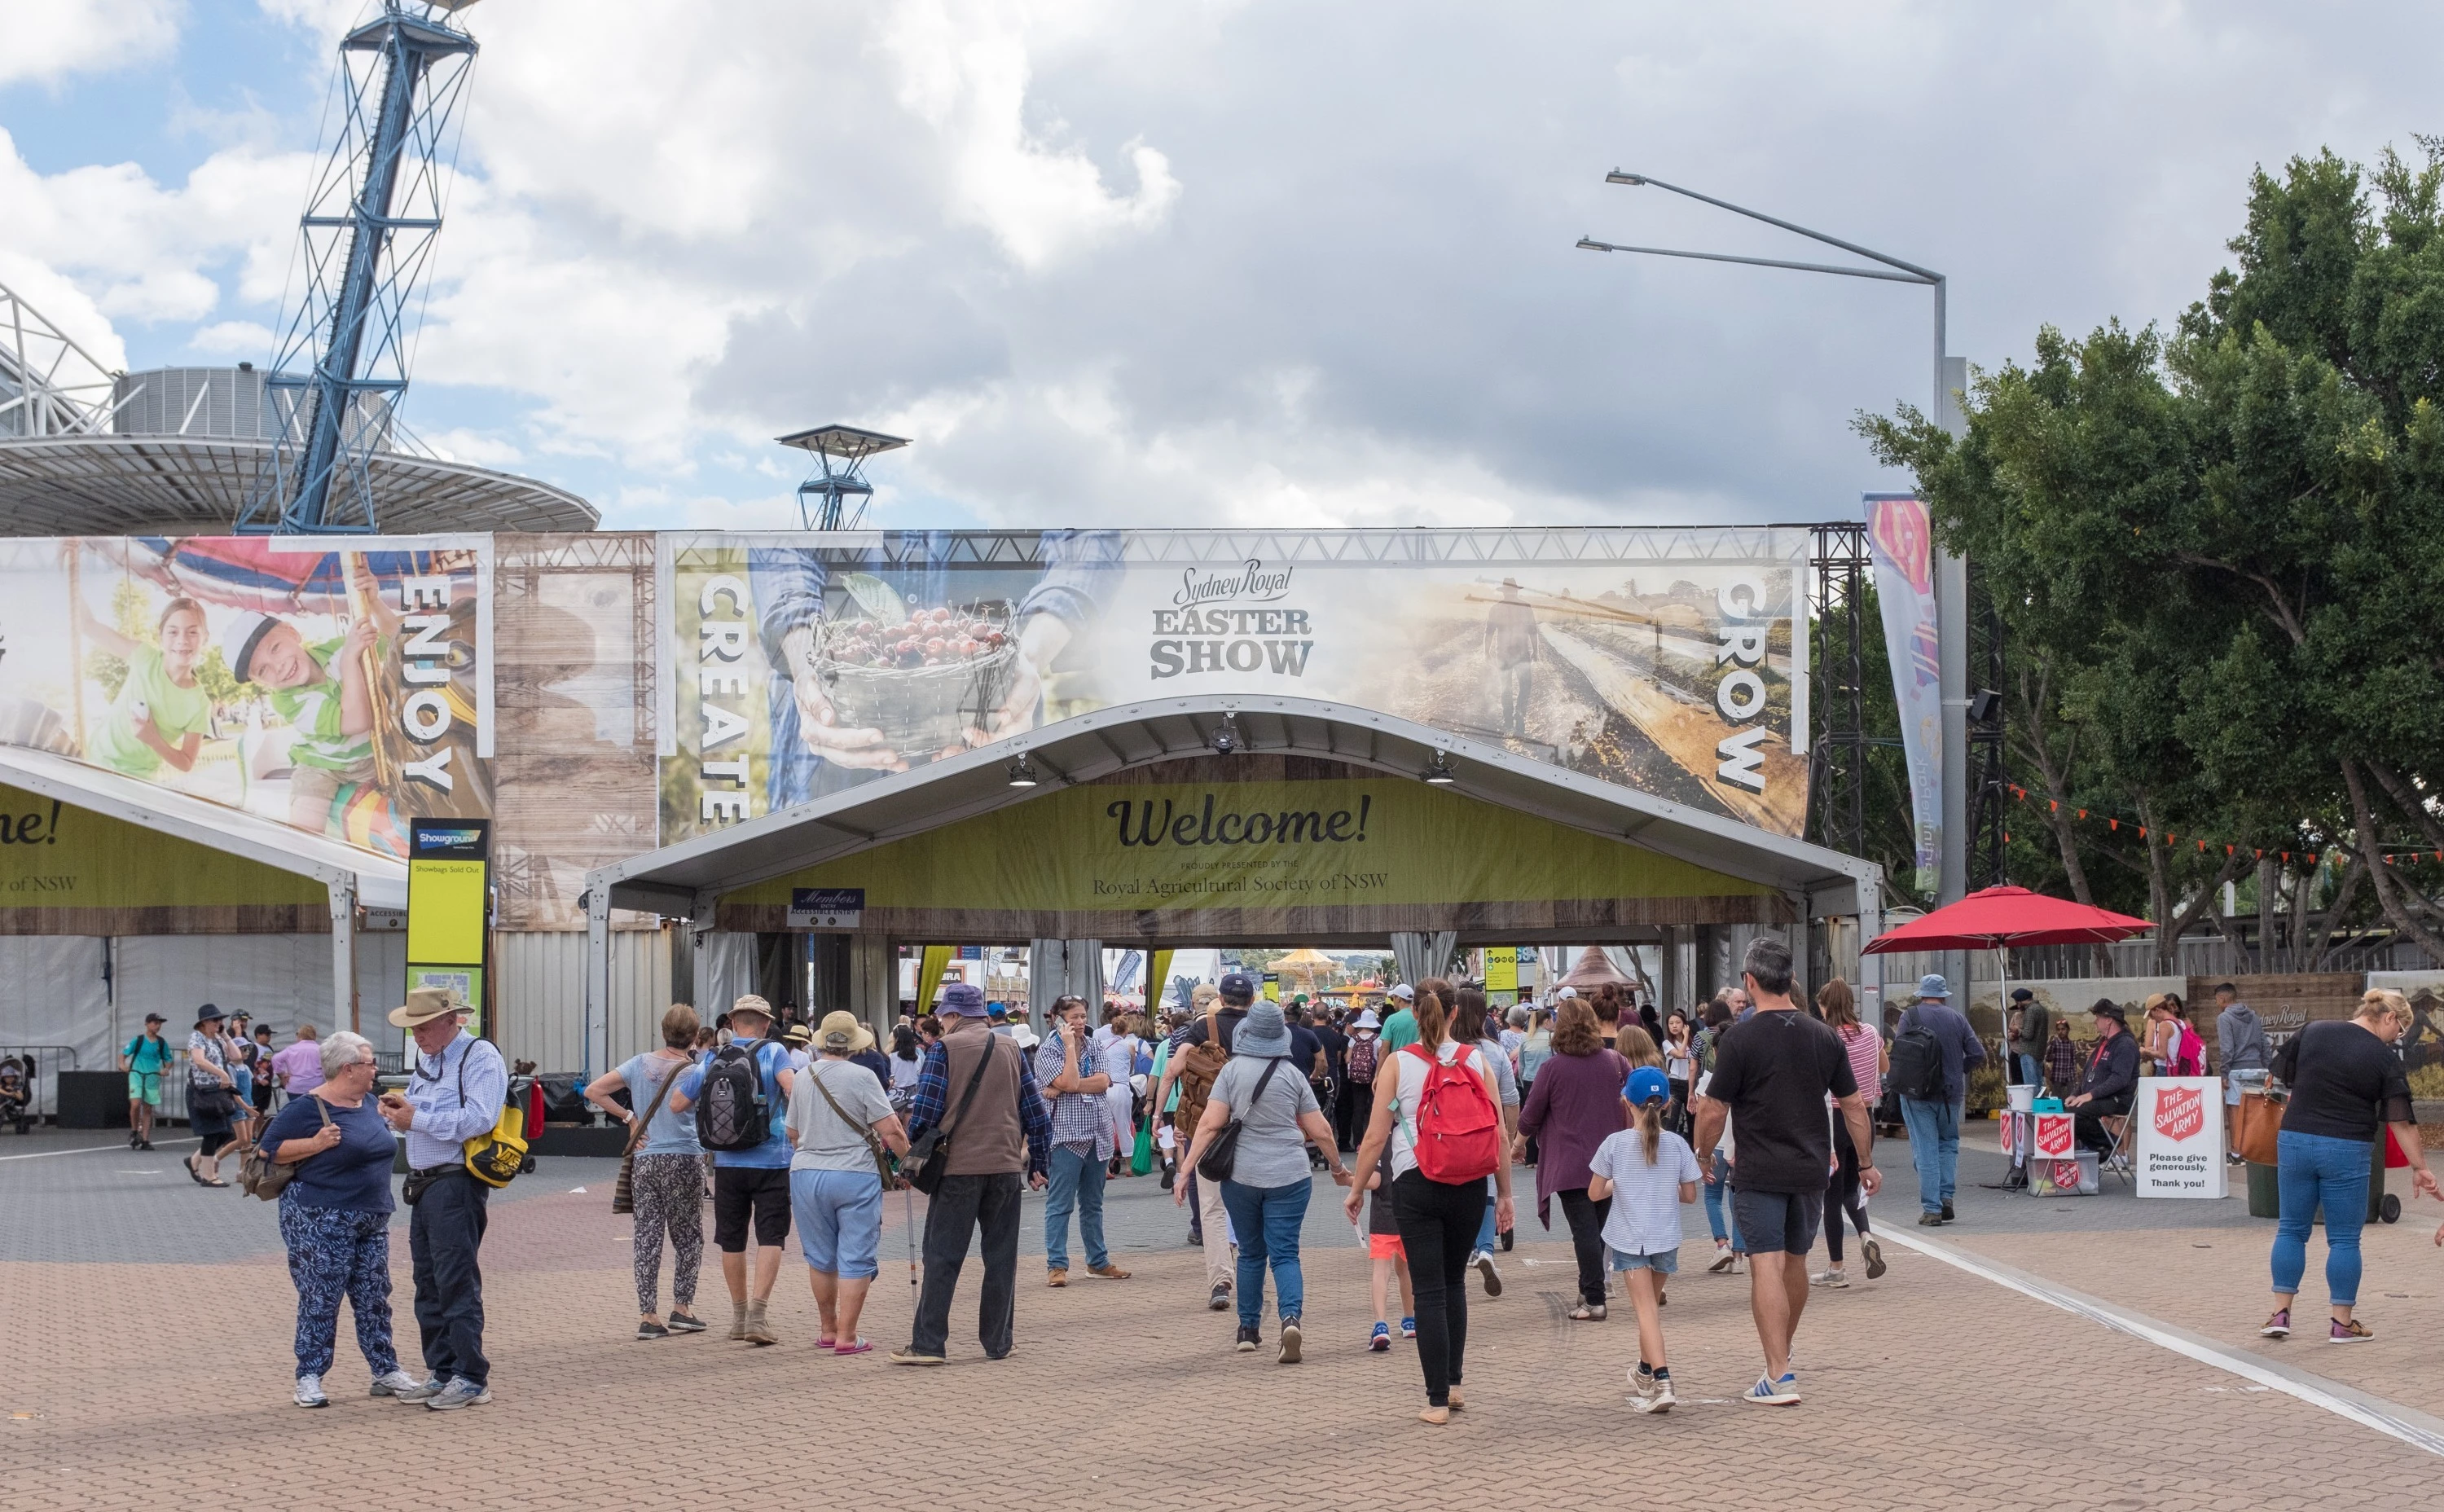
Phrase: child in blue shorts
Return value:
(1648, 1172)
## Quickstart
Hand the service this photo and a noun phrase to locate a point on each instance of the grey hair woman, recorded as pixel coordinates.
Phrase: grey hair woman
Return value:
(335, 1217)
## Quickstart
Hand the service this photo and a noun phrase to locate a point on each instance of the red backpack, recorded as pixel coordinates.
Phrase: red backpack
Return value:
(1458, 1129)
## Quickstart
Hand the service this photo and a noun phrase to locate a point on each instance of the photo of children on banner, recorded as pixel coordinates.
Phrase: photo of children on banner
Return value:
(335, 691)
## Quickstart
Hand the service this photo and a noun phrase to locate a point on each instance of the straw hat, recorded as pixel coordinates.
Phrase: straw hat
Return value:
(842, 1035)
(423, 1005)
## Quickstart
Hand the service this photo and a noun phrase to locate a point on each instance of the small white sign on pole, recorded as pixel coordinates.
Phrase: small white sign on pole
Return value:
(2177, 1124)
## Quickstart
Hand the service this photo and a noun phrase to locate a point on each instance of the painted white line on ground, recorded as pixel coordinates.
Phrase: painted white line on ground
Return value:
(82, 1149)
(2411, 1427)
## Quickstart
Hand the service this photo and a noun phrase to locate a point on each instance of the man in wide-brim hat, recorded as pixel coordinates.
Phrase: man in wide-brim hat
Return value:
(454, 1094)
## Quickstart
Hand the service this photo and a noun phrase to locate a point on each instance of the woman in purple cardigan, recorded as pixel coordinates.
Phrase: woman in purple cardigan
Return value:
(1574, 1106)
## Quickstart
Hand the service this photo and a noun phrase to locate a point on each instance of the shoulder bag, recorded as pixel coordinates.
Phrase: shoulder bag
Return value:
(1222, 1152)
(929, 1154)
(873, 1141)
(623, 1196)
(266, 1178)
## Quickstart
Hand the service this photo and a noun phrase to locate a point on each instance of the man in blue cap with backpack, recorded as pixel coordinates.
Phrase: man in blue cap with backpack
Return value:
(1933, 1051)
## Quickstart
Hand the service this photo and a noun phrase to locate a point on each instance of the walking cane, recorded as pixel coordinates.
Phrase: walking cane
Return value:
(907, 1191)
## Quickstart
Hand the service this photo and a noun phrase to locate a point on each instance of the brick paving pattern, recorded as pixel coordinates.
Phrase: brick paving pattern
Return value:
(1932, 1389)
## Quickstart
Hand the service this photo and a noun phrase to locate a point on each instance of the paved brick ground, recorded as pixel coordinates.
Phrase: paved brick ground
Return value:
(1929, 1390)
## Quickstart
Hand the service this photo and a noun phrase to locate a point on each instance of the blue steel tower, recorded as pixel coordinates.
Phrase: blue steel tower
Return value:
(368, 231)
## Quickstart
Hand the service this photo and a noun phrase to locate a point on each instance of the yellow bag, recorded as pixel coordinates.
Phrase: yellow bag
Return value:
(492, 1158)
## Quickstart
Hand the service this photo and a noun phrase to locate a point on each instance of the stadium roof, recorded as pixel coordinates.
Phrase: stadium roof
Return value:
(169, 485)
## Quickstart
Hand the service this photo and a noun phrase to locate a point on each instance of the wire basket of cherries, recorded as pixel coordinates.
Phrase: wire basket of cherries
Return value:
(923, 680)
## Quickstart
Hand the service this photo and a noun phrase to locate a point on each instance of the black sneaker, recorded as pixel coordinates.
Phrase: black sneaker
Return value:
(1168, 1177)
(1249, 1340)
(1220, 1301)
(1947, 1212)
(1290, 1340)
(652, 1331)
(683, 1321)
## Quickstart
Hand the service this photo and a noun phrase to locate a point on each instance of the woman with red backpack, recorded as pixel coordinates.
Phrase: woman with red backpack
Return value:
(1437, 1109)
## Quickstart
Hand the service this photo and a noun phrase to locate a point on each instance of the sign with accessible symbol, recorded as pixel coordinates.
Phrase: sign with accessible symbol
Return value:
(2178, 1125)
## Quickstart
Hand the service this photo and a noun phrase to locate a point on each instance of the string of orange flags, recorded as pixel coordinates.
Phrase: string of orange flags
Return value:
(2114, 825)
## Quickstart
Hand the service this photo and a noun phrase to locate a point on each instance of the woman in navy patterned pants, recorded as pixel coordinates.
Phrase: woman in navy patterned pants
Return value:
(335, 1252)
(335, 1218)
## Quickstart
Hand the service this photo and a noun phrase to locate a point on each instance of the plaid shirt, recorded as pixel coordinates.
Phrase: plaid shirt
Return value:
(934, 1092)
(1081, 1120)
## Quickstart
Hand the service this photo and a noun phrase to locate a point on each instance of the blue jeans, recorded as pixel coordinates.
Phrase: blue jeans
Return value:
(1077, 1182)
(1269, 1220)
(1934, 1149)
(1718, 1185)
(1485, 1234)
(2310, 1170)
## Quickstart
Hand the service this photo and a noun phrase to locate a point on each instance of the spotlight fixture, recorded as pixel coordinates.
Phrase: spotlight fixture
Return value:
(1438, 770)
(1225, 738)
(1022, 771)
(1984, 704)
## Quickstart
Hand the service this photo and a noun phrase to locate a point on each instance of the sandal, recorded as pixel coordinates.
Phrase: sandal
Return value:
(193, 1174)
(1587, 1313)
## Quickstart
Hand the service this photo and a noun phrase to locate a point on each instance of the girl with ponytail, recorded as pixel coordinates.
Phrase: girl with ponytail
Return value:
(1647, 1171)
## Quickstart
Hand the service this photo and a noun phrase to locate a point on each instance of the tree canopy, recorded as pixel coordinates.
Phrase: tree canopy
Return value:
(2218, 558)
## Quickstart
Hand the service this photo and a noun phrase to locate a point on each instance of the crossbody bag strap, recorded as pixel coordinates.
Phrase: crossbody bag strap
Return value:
(637, 1136)
(1258, 1095)
(865, 1131)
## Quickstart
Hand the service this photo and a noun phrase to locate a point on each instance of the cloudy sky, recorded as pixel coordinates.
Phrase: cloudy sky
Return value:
(1199, 261)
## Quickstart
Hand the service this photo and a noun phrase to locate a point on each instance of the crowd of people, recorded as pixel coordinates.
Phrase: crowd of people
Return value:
(1756, 1104)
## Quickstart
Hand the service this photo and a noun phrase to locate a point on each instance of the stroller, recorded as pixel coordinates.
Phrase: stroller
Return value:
(16, 1093)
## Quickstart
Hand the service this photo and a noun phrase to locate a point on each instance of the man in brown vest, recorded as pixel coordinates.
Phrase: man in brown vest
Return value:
(1004, 1130)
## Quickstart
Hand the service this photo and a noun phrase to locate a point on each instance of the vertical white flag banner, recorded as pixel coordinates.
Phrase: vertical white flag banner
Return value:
(1902, 548)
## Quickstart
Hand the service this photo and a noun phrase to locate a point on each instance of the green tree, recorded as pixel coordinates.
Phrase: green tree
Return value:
(2214, 554)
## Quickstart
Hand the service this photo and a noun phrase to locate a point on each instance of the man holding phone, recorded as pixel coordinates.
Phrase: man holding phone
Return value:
(454, 1094)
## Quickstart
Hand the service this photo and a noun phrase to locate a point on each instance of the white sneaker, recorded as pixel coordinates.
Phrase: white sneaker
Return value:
(309, 1391)
(400, 1383)
(459, 1393)
(1829, 1280)
(1485, 1267)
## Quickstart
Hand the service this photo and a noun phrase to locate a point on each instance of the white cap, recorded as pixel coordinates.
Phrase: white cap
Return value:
(1404, 992)
(1565, 993)
(240, 634)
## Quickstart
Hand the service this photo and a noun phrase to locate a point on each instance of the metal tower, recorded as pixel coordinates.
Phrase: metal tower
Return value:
(368, 230)
(824, 499)
(48, 384)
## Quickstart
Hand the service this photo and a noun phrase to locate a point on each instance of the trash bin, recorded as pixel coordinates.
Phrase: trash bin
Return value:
(2265, 1197)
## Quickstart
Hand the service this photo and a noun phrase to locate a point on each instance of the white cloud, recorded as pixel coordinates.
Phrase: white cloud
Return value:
(1245, 260)
(237, 341)
(48, 39)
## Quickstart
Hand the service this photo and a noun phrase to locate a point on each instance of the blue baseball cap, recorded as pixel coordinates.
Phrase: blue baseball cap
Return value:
(1646, 1085)
(1238, 987)
(1932, 986)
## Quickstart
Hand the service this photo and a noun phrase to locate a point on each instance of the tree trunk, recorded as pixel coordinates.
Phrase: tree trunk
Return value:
(2313, 958)
(2270, 879)
(2389, 889)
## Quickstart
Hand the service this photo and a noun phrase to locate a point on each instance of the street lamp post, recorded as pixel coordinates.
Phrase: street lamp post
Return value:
(1950, 570)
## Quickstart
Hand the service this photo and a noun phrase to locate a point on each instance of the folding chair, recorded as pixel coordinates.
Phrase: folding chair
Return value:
(2112, 1163)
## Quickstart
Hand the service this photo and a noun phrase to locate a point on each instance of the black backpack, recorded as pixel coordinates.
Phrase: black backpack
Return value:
(732, 1111)
(1918, 1063)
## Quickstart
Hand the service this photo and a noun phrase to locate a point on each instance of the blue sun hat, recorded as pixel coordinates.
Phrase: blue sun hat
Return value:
(1646, 1085)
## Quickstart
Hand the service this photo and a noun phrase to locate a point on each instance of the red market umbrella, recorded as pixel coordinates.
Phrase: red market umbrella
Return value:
(2000, 918)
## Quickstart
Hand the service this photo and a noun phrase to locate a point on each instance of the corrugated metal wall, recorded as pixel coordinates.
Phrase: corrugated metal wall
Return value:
(541, 986)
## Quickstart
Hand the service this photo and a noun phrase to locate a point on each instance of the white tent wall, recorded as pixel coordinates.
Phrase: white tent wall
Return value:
(282, 980)
(725, 971)
(56, 998)
(538, 982)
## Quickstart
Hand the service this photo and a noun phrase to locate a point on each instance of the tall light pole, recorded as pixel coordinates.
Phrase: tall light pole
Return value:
(1950, 570)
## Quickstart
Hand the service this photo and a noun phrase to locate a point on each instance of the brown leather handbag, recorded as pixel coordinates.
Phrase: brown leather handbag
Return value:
(2256, 1122)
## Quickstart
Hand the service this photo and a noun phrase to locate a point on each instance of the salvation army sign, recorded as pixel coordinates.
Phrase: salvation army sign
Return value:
(2178, 1149)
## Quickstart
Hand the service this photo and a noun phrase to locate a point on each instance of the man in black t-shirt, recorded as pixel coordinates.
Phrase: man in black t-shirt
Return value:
(1772, 1073)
